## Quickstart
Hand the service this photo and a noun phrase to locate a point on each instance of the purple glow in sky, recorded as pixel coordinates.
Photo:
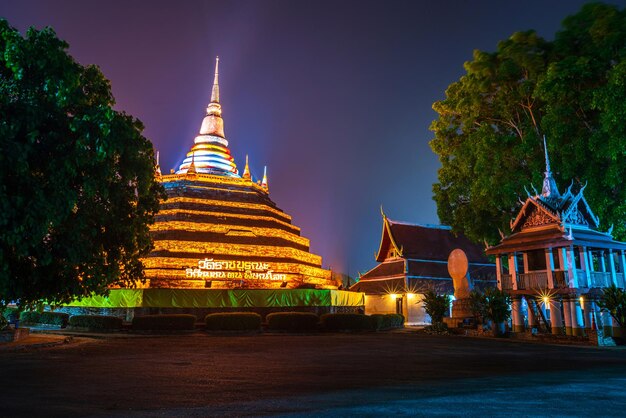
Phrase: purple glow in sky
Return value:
(333, 96)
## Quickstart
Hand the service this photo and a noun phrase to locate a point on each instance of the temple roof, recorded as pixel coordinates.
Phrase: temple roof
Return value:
(552, 219)
(210, 153)
(425, 242)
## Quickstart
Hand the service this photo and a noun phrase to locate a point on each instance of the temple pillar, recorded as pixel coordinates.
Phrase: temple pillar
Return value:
(567, 316)
(622, 267)
(516, 314)
(584, 264)
(602, 261)
(550, 268)
(556, 316)
(578, 325)
(513, 270)
(532, 318)
(571, 267)
(525, 261)
(499, 272)
(587, 313)
(612, 268)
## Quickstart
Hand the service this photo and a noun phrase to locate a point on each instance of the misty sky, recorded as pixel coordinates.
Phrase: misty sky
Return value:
(333, 96)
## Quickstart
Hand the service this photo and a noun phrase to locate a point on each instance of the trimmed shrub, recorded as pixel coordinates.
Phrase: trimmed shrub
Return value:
(391, 321)
(349, 322)
(233, 321)
(377, 321)
(96, 322)
(48, 318)
(11, 314)
(292, 321)
(172, 322)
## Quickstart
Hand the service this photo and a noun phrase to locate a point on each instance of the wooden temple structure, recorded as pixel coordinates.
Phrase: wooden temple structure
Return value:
(556, 262)
(413, 259)
(220, 229)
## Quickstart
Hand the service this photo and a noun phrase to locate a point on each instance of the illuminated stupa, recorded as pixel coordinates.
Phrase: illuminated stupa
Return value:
(219, 229)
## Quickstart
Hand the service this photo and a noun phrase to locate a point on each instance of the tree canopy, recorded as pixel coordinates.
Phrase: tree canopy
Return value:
(77, 185)
(489, 131)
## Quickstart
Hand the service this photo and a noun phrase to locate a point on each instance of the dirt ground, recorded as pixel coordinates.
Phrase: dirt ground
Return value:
(378, 374)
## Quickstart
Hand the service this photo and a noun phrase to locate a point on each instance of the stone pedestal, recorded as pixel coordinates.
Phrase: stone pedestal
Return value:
(460, 311)
(461, 308)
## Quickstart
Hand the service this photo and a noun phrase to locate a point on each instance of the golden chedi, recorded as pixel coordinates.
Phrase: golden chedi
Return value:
(219, 229)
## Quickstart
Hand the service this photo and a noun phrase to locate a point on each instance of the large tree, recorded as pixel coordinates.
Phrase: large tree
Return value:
(77, 186)
(488, 135)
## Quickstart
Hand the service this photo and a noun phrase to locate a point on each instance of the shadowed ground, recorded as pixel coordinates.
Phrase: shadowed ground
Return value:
(318, 375)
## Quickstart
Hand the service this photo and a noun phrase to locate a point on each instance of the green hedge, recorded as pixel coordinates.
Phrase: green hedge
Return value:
(10, 313)
(174, 322)
(233, 321)
(292, 321)
(96, 322)
(48, 318)
(391, 321)
(349, 322)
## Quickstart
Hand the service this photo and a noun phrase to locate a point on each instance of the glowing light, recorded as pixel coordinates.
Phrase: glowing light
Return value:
(581, 300)
(394, 296)
(546, 300)
(410, 295)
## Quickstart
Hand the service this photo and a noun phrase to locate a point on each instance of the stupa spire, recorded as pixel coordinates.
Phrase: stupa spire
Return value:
(246, 170)
(549, 188)
(264, 181)
(215, 93)
(210, 153)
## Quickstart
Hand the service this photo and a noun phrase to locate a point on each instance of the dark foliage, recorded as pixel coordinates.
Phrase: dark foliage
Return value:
(233, 321)
(77, 184)
(47, 318)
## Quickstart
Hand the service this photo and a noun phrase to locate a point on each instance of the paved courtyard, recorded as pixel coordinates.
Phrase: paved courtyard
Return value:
(382, 374)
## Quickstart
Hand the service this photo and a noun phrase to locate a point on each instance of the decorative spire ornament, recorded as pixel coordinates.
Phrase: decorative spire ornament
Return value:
(157, 168)
(215, 92)
(192, 166)
(246, 170)
(549, 189)
(264, 181)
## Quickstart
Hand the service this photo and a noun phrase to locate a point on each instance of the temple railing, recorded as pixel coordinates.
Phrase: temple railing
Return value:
(534, 280)
(600, 279)
(505, 282)
(539, 280)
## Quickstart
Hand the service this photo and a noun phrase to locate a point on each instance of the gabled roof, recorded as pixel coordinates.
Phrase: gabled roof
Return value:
(425, 242)
(550, 219)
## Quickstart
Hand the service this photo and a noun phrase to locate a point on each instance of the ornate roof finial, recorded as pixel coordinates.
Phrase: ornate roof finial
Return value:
(549, 189)
(545, 148)
(192, 166)
(246, 170)
(264, 181)
(215, 93)
(157, 168)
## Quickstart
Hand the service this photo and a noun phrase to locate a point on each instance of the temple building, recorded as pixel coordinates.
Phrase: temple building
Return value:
(413, 259)
(220, 229)
(556, 262)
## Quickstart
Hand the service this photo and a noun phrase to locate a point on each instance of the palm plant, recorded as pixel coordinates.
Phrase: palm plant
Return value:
(613, 299)
(492, 305)
(436, 306)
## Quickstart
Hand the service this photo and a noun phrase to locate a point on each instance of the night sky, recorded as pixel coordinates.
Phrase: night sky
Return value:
(333, 96)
